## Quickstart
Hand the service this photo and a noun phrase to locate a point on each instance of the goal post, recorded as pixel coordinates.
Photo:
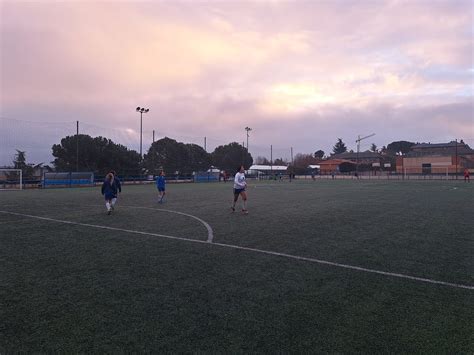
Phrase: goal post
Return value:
(11, 179)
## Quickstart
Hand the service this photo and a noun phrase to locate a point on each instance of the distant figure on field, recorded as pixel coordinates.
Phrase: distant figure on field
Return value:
(109, 190)
(160, 185)
(118, 185)
(239, 189)
(466, 175)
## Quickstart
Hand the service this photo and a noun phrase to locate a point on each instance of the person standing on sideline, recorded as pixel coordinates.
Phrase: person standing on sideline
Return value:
(160, 185)
(109, 190)
(118, 185)
(239, 189)
(466, 175)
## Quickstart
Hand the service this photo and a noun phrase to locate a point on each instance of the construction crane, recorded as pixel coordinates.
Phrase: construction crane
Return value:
(358, 149)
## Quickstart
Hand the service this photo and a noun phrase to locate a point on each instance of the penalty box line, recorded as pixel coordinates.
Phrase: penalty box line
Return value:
(267, 252)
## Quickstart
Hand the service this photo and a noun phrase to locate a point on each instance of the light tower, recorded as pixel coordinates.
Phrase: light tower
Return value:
(142, 111)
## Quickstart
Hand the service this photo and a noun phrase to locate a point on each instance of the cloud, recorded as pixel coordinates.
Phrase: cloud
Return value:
(209, 69)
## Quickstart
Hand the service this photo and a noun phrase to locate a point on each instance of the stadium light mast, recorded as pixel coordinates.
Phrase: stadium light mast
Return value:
(142, 111)
(248, 129)
(358, 149)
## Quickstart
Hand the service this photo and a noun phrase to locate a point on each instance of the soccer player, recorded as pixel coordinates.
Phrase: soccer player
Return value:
(239, 189)
(160, 185)
(118, 186)
(466, 175)
(109, 190)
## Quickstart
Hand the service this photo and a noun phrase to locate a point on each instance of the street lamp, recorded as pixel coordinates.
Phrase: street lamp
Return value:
(248, 129)
(142, 111)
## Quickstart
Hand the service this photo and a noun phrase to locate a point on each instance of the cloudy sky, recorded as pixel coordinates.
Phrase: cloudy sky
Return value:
(300, 73)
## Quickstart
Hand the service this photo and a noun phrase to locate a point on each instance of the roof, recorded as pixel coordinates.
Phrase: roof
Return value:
(440, 149)
(268, 167)
(353, 155)
(335, 162)
(314, 166)
(451, 144)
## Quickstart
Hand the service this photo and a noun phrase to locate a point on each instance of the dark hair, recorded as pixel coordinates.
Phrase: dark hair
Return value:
(238, 169)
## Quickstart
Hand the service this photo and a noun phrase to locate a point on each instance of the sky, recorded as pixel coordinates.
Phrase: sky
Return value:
(301, 74)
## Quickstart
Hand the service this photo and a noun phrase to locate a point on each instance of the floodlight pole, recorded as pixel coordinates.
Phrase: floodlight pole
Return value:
(248, 129)
(142, 111)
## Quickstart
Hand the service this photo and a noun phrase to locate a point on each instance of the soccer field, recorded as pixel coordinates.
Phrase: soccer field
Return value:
(320, 266)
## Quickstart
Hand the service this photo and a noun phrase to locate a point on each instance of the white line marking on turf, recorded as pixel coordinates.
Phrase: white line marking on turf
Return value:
(289, 256)
(104, 227)
(210, 233)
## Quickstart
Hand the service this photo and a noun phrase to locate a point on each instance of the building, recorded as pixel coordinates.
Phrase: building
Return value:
(366, 158)
(259, 170)
(438, 158)
(331, 166)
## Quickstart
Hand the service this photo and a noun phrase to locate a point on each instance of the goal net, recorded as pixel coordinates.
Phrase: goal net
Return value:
(11, 179)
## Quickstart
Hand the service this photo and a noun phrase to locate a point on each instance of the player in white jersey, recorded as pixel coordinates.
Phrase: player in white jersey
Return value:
(239, 189)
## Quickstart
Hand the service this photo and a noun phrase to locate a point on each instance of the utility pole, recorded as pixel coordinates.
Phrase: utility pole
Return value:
(77, 145)
(205, 144)
(292, 165)
(456, 140)
(271, 159)
(358, 149)
(153, 136)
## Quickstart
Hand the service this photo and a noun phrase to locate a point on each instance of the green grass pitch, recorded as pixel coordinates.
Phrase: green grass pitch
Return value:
(119, 284)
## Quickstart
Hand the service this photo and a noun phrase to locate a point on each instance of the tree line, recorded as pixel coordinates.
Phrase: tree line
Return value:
(99, 155)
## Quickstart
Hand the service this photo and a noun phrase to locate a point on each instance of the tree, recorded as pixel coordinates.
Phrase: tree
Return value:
(230, 156)
(340, 147)
(169, 155)
(198, 159)
(399, 146)
(280, 162)
(98, 155)
(319, 154)
(19, 162)
(373, 148)
(262, 161)
(166, 154)
(301, 162)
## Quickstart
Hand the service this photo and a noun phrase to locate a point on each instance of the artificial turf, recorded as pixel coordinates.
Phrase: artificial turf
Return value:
(79, 288)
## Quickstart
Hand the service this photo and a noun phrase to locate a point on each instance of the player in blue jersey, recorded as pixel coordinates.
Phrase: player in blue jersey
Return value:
(160, 185)
(109, 190)
(118, 185)
(239, 189)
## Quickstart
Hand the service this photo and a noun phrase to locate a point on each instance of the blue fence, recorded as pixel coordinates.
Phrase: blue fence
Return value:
(71, 179)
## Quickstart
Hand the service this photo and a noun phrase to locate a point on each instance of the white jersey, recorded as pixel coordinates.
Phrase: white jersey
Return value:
(239, 181)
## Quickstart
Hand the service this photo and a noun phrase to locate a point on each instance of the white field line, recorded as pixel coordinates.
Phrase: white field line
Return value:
(289, 256)
(210, 233)
(104, 227)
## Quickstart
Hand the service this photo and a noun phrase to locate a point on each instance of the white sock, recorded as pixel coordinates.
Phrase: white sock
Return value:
(113, 201)
(107, 204)
(244, 204)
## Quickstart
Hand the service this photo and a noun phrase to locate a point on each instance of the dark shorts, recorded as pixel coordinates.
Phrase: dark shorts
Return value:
(161, 189)
(238, 191)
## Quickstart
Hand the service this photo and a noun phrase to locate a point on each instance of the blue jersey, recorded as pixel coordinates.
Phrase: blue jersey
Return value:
(109, 190)
(160, 182)
(118, 184)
